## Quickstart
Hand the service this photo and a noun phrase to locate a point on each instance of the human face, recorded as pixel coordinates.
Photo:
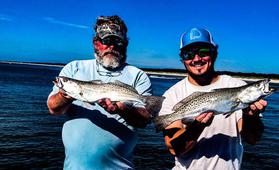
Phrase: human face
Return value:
(198, 60)
(110, 52)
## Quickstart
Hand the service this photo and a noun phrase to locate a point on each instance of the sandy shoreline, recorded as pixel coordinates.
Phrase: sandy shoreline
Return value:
(185, 74)
(155, 73)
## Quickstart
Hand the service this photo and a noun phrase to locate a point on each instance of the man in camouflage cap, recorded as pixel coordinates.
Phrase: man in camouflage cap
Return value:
(102, 136)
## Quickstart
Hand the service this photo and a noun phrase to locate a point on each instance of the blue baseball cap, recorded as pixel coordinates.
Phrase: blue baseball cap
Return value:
(196, 35)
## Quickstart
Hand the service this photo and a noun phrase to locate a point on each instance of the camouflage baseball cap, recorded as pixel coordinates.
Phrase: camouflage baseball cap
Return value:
(110, 26)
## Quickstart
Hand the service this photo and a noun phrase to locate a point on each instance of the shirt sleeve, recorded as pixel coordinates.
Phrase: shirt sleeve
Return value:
(143, 84)
(168, 103)
(238, 115)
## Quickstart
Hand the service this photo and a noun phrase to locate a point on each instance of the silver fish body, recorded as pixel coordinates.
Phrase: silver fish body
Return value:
(219, 101)
(92, 91)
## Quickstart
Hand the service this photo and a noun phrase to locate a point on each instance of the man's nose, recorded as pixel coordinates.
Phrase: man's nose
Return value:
(196, 58)
(111, 46)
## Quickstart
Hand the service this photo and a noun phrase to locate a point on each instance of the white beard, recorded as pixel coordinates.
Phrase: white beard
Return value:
(110, 61)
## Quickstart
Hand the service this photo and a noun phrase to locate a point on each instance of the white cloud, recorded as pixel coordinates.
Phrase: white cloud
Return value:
(4, 17)
(55, 21)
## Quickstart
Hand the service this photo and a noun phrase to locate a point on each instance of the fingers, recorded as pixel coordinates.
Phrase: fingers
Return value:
(257, 107)
(110, 106)
(121, 106)
(205, 117)
(261, 104)
(102, 103)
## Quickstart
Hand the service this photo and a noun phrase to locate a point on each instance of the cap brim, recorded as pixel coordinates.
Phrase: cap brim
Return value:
(109, 35)
(198, 43)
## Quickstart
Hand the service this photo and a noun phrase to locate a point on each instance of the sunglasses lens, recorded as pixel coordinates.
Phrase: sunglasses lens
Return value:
(105, 41)
(113, 41)
(204, 52)
(190, 54)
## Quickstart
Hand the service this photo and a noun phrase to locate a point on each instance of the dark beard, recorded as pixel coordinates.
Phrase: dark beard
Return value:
(116, 60)
(204, 79)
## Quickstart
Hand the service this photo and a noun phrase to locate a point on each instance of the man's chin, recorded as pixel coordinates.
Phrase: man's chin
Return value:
(109, 56)
(198, 70)
(110, 63)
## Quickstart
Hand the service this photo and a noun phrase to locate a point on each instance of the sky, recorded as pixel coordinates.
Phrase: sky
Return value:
(59, 31)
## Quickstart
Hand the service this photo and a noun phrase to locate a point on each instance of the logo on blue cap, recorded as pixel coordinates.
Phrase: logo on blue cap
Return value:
(196, 35)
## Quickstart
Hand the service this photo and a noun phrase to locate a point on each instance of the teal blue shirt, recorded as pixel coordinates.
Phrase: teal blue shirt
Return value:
(92, 137)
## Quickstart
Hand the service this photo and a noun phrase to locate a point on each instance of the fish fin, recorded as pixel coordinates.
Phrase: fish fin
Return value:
(119, 83)
(129, 103)
(153, 104)
(63, 91)
(237, 102)
(222, 89)
(187, 99)
(97, 82)
(227, 114)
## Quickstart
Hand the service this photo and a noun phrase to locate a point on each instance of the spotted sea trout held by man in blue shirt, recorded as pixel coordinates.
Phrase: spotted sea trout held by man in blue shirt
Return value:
(92, 91)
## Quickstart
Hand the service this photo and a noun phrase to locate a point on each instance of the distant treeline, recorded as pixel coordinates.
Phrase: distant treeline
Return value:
(251, 75)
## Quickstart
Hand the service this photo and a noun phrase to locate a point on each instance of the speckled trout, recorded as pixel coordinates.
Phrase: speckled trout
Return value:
(220, 101)
(92, 91)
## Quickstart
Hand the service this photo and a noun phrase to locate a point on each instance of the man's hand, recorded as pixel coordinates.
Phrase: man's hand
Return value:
(250, 126)
(256, 108)
(59, 102)
(180, 140)
(112, 107)
(135, 116)
(205, 118)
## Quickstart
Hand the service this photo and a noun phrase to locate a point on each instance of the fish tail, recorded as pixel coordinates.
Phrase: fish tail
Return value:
(153, 104)
(161, 122)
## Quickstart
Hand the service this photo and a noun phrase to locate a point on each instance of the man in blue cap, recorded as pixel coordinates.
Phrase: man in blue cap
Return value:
(210, 142)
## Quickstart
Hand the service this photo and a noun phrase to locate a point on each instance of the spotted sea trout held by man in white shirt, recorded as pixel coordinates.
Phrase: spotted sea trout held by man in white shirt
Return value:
(219, 101)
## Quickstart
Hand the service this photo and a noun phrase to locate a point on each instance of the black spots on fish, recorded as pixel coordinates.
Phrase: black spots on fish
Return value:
(80, 93)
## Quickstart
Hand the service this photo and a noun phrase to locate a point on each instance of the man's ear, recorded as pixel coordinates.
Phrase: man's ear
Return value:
(95, 43)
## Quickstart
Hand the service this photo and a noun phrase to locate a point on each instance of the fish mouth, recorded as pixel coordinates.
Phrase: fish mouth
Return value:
(267, 89)
(57, 81)
(266, 86)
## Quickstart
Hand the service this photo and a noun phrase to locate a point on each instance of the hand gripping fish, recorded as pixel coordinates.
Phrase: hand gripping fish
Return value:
(220, 101)
(92, 91)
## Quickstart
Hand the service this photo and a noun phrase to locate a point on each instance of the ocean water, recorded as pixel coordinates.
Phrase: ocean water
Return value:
(30, 138)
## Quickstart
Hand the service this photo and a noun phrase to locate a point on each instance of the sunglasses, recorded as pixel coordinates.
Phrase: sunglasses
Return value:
(117, 42)
(108, 73)
(201, 52)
